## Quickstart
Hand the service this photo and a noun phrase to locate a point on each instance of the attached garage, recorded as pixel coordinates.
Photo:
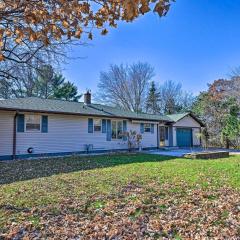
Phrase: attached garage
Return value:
(184, 137)
(186, 129)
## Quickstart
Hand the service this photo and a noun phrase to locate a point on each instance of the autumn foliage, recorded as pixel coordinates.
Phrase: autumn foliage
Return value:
(40, 20)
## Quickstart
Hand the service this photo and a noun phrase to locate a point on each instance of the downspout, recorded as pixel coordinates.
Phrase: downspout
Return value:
(157, 135)
(14, 136)
(200, 130)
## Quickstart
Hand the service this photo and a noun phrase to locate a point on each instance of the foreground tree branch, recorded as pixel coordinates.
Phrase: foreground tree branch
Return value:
(46, 21)
(34, 33)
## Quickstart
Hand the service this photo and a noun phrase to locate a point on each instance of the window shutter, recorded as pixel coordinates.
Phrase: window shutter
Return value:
(109, 130)
(20, 123)
(44, 124)
(90, 125)
(166, 133)
(124, 129)
(142, 127)
(152, 128)
(104, 126)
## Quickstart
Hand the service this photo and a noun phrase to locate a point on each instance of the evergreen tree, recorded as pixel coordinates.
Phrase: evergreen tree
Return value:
(67, 91)
(54, 86)
(47, 81)
(153, 99)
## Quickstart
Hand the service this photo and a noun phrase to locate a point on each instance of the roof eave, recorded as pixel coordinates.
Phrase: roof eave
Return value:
(78, 114)
(197, 120)
(194, 117)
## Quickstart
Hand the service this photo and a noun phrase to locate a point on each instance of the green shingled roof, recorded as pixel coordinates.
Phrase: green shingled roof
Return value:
(178, 116)
(79, 108)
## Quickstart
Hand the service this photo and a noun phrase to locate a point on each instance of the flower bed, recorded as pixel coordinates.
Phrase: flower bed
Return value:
(207, 155)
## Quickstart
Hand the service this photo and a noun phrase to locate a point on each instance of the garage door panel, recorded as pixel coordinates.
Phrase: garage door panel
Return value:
(184, 137)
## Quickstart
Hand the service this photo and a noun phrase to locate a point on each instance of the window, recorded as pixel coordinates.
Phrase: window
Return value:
(117, 129)
(114, 129)
(33, 123)
(147, 127)
(97, 125)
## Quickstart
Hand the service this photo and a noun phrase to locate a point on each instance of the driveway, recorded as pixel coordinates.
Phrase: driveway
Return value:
(183, 151)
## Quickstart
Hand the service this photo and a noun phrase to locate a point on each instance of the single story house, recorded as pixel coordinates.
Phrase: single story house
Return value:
(38, 127)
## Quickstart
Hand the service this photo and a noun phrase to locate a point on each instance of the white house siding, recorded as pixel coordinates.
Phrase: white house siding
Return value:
(187, 122)
(6, 133)
(68, 133)
(148, 139)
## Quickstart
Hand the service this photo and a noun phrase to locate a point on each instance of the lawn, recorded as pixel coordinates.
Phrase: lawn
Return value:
(120, 196)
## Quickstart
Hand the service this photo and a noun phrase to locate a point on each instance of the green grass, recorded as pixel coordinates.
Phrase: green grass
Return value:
(88, 185)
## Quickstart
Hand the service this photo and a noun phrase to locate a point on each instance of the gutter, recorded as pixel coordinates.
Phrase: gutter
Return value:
(14, 136)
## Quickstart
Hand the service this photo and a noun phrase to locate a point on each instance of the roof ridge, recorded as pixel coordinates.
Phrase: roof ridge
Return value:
(178, 113)
(41, 98)
(55, 99)
(145, 113)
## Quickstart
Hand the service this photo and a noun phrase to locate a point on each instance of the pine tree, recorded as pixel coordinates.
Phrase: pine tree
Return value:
(54, 86)
(67, 91)
(47, 81)
(153, 99)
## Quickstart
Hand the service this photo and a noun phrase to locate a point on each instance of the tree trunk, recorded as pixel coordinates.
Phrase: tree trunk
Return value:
(227, 143)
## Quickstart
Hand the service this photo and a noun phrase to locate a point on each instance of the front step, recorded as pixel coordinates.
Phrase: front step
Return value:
(169, 148)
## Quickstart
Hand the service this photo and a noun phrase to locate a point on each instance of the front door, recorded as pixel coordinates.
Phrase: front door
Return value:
(162, 136)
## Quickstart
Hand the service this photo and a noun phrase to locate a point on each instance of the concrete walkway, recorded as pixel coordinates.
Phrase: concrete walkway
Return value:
(181, 152)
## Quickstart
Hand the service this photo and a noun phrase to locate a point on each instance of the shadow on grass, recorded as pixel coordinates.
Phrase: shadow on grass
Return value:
(14, 171)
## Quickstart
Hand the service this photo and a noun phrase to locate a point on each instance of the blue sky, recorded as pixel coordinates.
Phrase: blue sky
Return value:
(197, 42)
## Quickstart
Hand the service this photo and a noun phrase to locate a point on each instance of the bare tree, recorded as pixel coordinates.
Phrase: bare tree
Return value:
(31, 55)
(5, 89)
(125, 86)
(19, 86)
(140, 75)
(44, 82)
(187, 100)
(174, 99)
(170, 93)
